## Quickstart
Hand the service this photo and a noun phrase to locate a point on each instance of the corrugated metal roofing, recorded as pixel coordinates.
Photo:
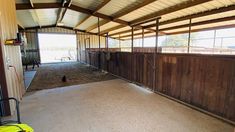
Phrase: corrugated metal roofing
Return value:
(25, 18)
(88, 4)
(215, 4)
(89, 22)
(28, 18)
(120, 29)
(151, 8)
(105, 26)
(118, 6)
(71, 18)
(47, 16)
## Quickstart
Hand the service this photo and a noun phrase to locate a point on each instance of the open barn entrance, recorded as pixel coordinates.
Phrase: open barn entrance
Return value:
(57, 47)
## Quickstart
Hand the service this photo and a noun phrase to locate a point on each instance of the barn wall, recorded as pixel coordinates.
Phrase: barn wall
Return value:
(92, 43)
(86, 42)
(204, 81)
(12, 84)
(32, 47)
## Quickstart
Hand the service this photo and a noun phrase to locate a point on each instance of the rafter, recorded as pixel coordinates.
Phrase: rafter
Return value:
(95, 11)
(111, 29)
(63, 10)
(204, 29)
(153, 16)
(171, 9)
(115, 18)
(101, 5)
(129, 10)
(193, 24)
(60, 12)
(72, 7)
(124, 23)
(194, 30)
(24, 6)
(122, 32)
(100, 15)
(129, 30)
(34, 14)
(202, 14)
(31, 3)
(200, 23)
(96, 25)
(82, 21)
(20, 24)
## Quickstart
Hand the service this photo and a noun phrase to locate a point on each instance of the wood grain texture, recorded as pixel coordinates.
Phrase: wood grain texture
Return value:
(9, 29)
(205, 81)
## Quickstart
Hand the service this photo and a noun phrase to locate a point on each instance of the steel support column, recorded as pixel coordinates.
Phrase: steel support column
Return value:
(132, 50)
(189, 34)
(142, 37)
(99, 44)
(214, 41)
(155, 55)
(132, 39)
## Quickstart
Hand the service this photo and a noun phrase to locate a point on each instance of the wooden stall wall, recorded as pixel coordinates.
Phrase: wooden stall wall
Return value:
(204, 81)
(11, 54)
(87, 45)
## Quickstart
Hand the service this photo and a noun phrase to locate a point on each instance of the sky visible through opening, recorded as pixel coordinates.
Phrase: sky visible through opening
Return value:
(221, 41)
(57, 47)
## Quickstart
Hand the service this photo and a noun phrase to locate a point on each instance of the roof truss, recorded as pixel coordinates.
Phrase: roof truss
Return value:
(202, 14)
(136, 22)
(171, 9)
(62, 11)
(187, 25)
(99, 7)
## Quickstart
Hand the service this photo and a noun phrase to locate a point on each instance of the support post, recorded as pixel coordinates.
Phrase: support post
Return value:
(99, 44)
(214, 41)
(99, 31)
(77, 45)
(189, 34)
(132, 50)
(132, 39)
(119, 41)
(107, 51)
(155, 55)
(107, 42)
(142, 37)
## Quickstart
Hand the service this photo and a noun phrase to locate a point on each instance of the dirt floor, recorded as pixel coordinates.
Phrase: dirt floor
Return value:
(50, 75)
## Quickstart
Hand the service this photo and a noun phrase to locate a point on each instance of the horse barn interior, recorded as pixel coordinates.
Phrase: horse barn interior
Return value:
(118, 65)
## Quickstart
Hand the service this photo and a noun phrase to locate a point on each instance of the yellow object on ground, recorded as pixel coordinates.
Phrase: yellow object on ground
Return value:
(16, 128)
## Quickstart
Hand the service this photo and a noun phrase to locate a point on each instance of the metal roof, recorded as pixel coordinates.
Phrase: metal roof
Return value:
(116, 16)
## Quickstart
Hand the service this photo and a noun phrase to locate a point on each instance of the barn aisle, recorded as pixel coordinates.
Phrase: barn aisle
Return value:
(112, 106)
(50, 75)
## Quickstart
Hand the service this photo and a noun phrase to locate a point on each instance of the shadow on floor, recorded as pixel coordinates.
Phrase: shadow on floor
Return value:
(50, 75)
